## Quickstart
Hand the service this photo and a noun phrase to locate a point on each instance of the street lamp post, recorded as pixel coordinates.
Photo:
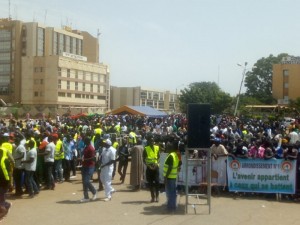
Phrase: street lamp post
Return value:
(238, 97)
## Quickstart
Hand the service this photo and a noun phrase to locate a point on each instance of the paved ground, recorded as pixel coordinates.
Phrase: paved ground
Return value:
(133, 208)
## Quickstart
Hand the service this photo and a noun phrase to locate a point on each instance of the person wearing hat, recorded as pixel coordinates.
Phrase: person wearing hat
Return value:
(108, 157)
(151, 160)
(217, 149)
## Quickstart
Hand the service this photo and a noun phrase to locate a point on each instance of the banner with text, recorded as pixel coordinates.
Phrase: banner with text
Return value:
(259, 175)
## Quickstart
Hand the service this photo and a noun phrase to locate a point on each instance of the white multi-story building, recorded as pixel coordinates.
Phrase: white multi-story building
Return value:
(141, 96)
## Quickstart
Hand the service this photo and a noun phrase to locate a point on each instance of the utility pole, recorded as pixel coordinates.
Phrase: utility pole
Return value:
(238, 97)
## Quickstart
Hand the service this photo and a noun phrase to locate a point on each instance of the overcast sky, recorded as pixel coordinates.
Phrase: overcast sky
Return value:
(168, 44)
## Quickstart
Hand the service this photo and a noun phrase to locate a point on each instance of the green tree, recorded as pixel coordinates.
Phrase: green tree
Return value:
(294, 105)
(258, 81)
(205, 92)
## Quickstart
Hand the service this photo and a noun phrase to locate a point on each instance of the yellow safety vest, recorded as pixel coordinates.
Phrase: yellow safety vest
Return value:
(152, 154)
(98, 131)
(58, 153)
(35, 145)
(3, 167)
(115, 145)
(133, 139)
(118, 128)
(7, 146)
(174, 171)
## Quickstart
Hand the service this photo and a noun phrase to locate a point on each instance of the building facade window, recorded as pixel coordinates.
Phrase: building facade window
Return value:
(285, 73)
(61, 94)
(5, 46)
(5, 57)
(41, 42)
(76, 86)
(5, 35)
(4, 68)
(101, 97)
(143, 95)
(73, 45)
(78, 47)
(161, 105)
(55, 43)
(155, 96)
(60, 44)
(38, 69)
(67, 43)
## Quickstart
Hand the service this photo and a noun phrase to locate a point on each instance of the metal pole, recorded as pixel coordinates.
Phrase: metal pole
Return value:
(238, 97)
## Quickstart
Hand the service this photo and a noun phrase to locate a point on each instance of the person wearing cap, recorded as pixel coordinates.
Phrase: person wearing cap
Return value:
(219, 154)
(151, 160)
(217, 149)
(108, 157)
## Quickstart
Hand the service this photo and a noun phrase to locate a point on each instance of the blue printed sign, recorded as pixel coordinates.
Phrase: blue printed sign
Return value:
(259, 175)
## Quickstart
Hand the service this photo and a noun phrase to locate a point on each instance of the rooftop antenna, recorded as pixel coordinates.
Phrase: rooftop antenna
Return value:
(98, 34)
(16, 12)
(9, 15)
(45, 17)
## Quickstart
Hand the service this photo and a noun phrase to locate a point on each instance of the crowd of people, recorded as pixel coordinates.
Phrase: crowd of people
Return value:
(38, 154)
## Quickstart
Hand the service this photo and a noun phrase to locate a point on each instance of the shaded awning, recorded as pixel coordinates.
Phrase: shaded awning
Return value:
(138, 110)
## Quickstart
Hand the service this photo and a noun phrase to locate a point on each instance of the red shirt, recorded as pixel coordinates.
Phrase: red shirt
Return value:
(89, 154)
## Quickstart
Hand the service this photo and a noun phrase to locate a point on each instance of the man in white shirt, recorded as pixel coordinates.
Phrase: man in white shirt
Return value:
(19, 154)
(49, 162)
(30, 167)
(108, 156)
